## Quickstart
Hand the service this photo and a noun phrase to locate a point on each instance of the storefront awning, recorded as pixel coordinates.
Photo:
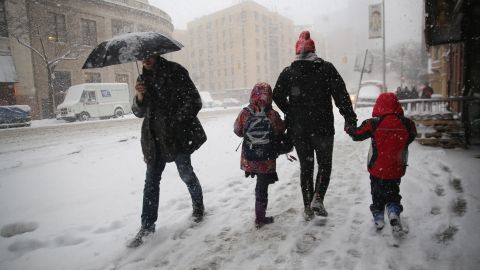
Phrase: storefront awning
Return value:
(7, 69)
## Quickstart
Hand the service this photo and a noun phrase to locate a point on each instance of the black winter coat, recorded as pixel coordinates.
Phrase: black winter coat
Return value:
(169, 108)
(304, 92)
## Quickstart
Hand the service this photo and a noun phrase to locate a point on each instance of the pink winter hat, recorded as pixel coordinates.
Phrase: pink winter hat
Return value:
(304, 43)
(261, 95)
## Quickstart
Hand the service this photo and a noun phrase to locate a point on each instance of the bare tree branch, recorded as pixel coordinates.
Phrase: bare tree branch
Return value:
(65, 56)
(29, 47)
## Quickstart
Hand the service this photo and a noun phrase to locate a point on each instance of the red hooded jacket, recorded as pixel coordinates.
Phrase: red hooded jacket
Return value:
(260, 97)
(391, 133)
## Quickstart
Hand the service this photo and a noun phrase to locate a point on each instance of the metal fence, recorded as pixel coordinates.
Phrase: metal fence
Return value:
(439, 107)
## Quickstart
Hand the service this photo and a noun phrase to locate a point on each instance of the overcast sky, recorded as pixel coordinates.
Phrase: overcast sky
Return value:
(300, 11)
(403, 16)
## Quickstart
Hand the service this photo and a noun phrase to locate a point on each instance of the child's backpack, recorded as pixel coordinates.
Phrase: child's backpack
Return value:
(372, 153)
(258, 140)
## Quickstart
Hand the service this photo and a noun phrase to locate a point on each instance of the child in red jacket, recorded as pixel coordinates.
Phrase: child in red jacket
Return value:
(259, 123)
(391, 133)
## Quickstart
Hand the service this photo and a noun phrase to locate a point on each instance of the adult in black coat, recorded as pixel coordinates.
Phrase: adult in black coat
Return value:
(304, 92)
(168, 102)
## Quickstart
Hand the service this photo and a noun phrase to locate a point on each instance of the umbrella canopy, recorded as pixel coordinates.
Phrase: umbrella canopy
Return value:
(130, 47)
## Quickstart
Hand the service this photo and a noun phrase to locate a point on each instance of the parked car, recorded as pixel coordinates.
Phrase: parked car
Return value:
(368, 93)
(102, 100)
(15, 116)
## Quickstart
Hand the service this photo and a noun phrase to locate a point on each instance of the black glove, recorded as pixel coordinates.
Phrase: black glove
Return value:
(247, 174)
(350, 126)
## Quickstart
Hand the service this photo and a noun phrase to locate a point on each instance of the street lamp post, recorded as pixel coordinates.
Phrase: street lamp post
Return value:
(383, 35)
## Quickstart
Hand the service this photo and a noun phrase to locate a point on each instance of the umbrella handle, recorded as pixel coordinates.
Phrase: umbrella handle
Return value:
(138, 69)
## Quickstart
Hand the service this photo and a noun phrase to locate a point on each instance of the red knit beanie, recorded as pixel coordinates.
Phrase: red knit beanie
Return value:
(304, 43)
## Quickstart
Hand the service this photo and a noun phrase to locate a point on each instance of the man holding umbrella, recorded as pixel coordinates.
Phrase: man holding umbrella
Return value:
(168, 102)
(167, 99)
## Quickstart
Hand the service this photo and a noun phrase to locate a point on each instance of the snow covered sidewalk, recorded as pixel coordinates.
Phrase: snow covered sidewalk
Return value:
(74, 205)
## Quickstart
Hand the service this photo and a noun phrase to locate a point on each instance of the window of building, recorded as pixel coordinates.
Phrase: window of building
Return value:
(92, 77)
(3, 20)
(57, 29)
(243, 16)
(121, 27)
(121, 78)
(61, 82)
(145, 28)
(89, 32)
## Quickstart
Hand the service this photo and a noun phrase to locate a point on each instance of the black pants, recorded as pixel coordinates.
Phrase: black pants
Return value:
(151, 191)
(385, 193)
(322, 147)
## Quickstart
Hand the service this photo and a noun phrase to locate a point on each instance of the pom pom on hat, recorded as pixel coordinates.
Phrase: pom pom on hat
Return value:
(304, 43)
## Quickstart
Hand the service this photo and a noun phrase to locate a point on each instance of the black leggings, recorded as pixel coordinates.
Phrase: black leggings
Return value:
(322, 147)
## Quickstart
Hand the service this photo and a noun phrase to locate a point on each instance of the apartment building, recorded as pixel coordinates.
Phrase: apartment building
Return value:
(232, 49)
(60, 26)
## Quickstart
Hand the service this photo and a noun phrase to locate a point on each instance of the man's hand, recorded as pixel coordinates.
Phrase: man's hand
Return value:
(350, 126)
(139, 90)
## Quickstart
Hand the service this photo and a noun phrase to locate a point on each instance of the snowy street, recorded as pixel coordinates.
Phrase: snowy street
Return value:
(71, 197)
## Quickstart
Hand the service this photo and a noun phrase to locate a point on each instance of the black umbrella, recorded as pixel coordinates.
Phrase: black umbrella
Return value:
(130, 47)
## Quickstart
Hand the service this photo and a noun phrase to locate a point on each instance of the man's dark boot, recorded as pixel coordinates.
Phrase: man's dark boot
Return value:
(198, 213)
(308, 213)
(318, 207)
(143, 232)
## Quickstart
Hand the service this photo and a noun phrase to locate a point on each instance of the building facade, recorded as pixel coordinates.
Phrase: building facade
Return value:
(232, 49)
(68, 30)
(452, 35)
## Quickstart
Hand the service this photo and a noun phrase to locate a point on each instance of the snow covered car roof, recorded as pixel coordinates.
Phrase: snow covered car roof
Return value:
(15, 116)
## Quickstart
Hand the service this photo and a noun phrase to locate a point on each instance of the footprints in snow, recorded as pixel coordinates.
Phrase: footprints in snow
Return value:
(457, 206)
(13, 229)
(445, 235)
(22, 242)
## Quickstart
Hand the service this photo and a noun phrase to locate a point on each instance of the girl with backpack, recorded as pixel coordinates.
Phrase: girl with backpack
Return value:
(259, 124)
(391, 133)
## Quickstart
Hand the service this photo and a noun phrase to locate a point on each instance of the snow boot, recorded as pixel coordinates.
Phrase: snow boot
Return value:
(259, 223)
(260, 211)
(143, 232)
(318, 208)
(394, 211)
(308, 213)
(378, 219)
(198, 213)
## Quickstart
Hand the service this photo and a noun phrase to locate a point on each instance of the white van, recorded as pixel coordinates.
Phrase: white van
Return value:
(102, 100)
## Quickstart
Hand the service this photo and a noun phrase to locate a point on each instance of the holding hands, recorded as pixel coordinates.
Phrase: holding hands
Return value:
(350, 126)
